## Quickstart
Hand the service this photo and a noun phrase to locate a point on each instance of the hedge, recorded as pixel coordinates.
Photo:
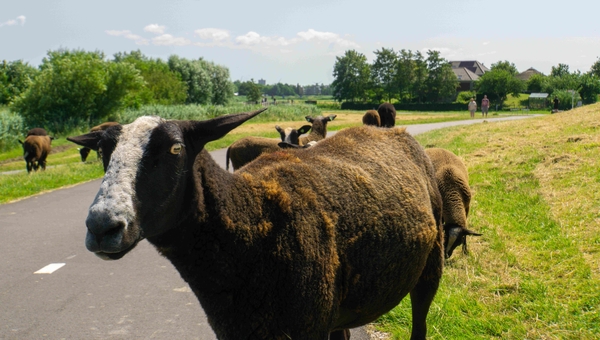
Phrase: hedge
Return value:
(407, 107)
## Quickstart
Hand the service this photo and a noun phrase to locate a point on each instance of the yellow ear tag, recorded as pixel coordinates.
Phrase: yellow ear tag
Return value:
(176, 148)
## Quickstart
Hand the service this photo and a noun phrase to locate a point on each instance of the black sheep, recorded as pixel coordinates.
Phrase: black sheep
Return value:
(387, 113)
(298, 244)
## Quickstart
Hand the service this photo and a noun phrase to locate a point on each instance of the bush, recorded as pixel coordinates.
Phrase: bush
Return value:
(11, 129)
(566, 99)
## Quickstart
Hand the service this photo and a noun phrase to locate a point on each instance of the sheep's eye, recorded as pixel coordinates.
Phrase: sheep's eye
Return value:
(176, 148)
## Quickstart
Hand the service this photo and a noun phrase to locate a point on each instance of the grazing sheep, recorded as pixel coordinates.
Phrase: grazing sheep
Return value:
(84, 152)
(296, 244)
(453, 182)
(319, 128)
(387, 113)
(35, 150)
(371, 117)
(247, 149)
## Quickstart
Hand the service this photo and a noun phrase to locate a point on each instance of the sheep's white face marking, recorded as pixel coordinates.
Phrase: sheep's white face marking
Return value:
(117, 191)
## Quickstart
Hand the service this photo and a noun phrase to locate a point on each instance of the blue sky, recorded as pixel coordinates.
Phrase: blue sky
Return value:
(297, 41)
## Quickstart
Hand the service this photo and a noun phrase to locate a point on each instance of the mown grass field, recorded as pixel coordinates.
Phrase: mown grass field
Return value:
(535, 272)
(65, 167)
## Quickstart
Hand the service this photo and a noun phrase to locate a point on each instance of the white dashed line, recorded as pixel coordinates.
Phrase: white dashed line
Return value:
(51, 268)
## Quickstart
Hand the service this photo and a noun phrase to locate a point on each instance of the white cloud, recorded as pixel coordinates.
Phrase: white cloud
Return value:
(19, 20)
(169, 40)
(328, 37)
(213, 34)
(128, 35)
(155, 28)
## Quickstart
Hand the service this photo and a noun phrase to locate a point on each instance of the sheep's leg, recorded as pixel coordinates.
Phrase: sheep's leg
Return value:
(29, 167)
(343, 334)
(423, 293)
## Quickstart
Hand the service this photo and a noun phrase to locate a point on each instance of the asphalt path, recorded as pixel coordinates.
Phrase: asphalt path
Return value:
(82, 297)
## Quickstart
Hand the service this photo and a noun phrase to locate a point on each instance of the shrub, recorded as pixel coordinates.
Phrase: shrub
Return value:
(11, 129)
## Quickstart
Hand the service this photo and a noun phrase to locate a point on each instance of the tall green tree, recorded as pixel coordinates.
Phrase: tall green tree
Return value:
(351, 74)
(536, 83)
(197, 78)
(441, 81)
(500, 82)
(15, 78)
(589, 88)
(595, 69)
(254, 94)
(404, 74)
(383, 73)
(421, 72)
(161, 85)
(76, 87)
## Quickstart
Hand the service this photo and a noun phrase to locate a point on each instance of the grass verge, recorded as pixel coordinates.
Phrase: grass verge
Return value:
(535, 272)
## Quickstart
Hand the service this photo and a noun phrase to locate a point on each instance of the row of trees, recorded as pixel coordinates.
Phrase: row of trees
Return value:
(403, 76)
(280, 89)
(408, 77)
(76, 87)
(502, 81)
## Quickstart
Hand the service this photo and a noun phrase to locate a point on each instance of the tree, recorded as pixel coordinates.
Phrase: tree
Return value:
(441, 81)
(589, 88)
(500, 81)
(15, 78)
(420, 77)
(254, 93)
(76, 87)
(560, 70)
(536, 83)
(351, 75)
(197, 78)
(161, 85)
(404, 74)
(383, 73)
(595, 70)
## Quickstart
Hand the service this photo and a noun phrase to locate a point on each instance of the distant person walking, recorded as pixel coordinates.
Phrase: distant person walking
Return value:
(556, 102)
(472, 107)
(485, 106)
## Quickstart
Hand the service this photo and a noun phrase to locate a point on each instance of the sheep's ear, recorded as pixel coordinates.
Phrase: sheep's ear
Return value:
(279, 129)
(20, 141)
(331, 117)
(309, 119)
(201, 132)
(304, 129)
(89, 140)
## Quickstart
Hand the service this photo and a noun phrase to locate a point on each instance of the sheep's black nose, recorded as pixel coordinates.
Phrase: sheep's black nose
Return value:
(105, 232)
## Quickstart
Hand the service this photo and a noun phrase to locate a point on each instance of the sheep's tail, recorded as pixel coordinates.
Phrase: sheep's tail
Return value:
(227, 159)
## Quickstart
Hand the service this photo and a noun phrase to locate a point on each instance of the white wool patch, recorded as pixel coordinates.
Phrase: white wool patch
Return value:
(117, 191)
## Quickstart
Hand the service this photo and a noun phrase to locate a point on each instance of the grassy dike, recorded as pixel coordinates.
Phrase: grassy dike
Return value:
(535, 272)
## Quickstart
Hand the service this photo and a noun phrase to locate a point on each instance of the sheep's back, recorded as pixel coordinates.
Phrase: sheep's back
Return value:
(378, 210)
(247, 149)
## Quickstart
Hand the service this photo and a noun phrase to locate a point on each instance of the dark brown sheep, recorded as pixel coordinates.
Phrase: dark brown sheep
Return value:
(295, 245)
(37, 132)
(371, 117)
(318, 130)
(35, 151)
(247, 149)
(387, 113)
(84, 152)
(453, 182)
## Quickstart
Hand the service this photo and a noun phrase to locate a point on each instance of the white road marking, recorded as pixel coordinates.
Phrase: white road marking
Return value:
(51, 268)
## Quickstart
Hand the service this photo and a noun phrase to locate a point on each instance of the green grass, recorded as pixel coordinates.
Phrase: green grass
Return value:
(535, 272)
